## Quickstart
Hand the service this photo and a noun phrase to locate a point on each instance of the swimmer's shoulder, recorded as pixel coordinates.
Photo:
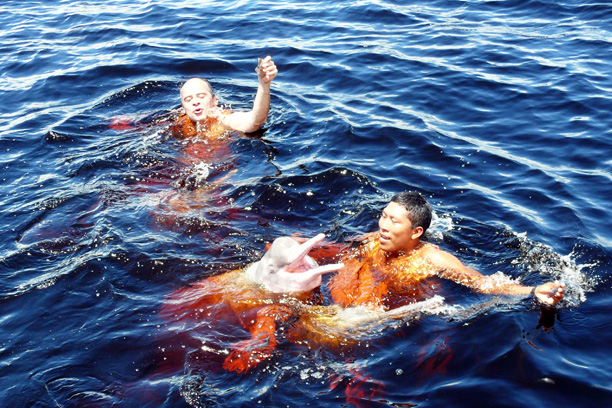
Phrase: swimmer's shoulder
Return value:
(429, 252)
(441, 259)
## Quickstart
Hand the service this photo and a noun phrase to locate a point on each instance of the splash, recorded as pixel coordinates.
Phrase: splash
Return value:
(197, 174)
(542, 260)
(201, 127)
(440, 226)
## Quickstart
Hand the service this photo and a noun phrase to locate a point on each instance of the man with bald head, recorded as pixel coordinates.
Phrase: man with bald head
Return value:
(202, 111)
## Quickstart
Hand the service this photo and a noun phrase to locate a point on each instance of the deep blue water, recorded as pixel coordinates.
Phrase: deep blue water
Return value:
(498, 111)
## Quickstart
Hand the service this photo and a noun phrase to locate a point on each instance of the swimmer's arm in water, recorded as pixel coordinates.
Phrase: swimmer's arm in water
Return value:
(126, 122)
(121, 122)
(450, 267)
(252, 120)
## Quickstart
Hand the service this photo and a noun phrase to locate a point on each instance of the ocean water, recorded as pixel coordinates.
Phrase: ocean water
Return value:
(498, 111)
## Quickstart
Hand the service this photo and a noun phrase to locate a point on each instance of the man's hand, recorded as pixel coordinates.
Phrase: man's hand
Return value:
(550, 293)
(267, 70)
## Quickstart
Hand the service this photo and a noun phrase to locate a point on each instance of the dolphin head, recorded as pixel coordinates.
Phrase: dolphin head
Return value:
(286, 266)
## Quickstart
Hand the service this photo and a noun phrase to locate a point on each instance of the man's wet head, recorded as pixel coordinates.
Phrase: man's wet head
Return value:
(403, 222)
(197, 98)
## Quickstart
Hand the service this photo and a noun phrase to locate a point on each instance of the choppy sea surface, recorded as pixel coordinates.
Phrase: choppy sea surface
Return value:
(498, 111)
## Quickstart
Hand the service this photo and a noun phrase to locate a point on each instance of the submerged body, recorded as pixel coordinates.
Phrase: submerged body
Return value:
(379, 279)
(271, 290)
(394, 261)
(278, 290)
(205, 127)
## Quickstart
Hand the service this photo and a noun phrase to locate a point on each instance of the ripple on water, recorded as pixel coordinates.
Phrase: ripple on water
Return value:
(497, 111)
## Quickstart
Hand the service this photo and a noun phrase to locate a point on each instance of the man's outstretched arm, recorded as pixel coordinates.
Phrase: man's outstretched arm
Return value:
(450, 267)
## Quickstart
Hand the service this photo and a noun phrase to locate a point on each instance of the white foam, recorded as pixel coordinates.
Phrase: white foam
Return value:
(440, 226)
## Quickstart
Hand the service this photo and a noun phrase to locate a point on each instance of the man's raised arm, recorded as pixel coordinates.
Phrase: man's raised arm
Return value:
(252, 120)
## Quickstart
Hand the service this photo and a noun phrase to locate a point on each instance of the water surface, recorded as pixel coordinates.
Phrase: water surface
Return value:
(498, 111)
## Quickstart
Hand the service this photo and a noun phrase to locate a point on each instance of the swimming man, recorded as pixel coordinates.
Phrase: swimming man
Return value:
(392, 266)
(200, 106)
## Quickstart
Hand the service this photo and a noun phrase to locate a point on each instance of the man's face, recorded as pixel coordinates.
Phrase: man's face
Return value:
(197, 99)
(396, 232)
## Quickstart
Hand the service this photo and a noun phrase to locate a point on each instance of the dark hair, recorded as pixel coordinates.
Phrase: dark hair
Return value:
(419, 210)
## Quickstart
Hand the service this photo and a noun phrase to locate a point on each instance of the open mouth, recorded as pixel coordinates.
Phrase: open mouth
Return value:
(301, 261)
(304, 264)
(286, 266)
